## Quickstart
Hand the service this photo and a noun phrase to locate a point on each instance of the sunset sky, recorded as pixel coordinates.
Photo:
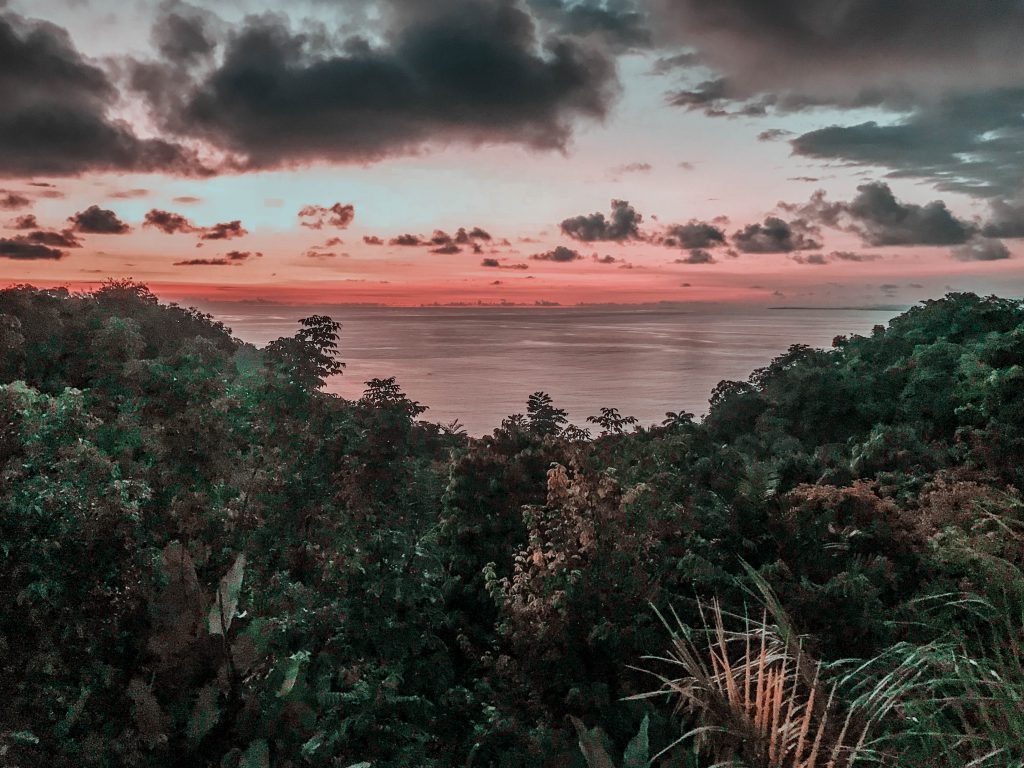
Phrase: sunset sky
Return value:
(853, 153)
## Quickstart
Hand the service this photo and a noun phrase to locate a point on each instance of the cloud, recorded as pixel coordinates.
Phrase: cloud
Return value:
(1006, 220)
(497, 263)
(98, 221)
(559, 253)
(968, 142)
(859, 52)
(693, 234)
(21, 249)
(947, 75)
(851, 256)
(980, 248)
(697, 256)
(337, 215)
(407, 240)
(810, 258)
(231, 258)
(12, 201)
(372, 240)
(620, 25)
(168, 222)
(183, 36)
(224, 231)
(440, 239)
(773, 134)
(623, 224)
(26, 221)
(447, 248)
(627, 168)
(880, 219)
(466, 71)
(188, 199)
(63, 239)
(129, 194)
(56, 111)
(775, 236)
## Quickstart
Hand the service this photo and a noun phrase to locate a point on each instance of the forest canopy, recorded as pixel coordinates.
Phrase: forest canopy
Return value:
(207, 560)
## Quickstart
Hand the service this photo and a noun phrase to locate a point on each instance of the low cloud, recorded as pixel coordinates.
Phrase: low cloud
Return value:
(980, 248)
(26, 221)
(21, 249)
(693, 234)
(559, 253)
(775, 236)
(168, 222)
(317, 216)
(98, 221)
(697, 256)
(878, 218)
(12, 201)
(623, 224)
(229, 259)
(224, 231)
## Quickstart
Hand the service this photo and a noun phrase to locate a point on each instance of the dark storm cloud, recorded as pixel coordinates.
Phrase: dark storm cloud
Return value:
(618, 23)
(623, 224)
(856, 52)
(168, 222)
(459, 70)
(880, 219)
(948, 72)
(980, 248)
(1006, 219)
(775, 236)
(98, 221)
(21, 249)
(971, 143)
(55, 117)
(12, 201)
(559, 253)
(317, 216)
(693, 234)
(224, 231)
(183, 36)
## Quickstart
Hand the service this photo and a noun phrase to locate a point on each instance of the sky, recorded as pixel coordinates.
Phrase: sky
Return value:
(839, 153)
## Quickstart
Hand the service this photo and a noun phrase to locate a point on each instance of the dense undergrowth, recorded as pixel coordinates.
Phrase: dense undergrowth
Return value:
(207, 561)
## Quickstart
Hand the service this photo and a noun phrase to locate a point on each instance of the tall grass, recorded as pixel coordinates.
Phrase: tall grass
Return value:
(756, 696)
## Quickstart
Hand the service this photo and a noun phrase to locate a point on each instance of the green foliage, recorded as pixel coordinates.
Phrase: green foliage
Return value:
(208, 560)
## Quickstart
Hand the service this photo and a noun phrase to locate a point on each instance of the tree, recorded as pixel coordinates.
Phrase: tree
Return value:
(543, 416)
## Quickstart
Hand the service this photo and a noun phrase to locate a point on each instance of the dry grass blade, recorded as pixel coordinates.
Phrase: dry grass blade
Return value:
(757, 697)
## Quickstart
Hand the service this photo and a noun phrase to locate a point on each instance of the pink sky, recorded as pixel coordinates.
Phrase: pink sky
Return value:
(672, 165)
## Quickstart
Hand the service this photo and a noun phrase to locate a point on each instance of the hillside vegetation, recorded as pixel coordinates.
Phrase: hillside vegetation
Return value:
(205, 560)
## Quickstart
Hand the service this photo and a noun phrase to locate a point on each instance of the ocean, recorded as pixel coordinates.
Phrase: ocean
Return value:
(479, 364)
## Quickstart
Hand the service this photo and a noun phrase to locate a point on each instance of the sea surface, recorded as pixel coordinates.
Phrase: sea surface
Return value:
(479, 365)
